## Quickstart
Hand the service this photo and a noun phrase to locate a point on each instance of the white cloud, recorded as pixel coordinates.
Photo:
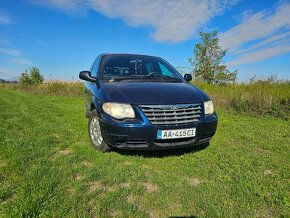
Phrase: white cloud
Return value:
(7, 73)
(4, 18)
(72, 7)
(271, 40)
(259, 55)
(17, 56)
(171, 20)
(4, 41)
(11, 52)
(21, 61)
(259, 36)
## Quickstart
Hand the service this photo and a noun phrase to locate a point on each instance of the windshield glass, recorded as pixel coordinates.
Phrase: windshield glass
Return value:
(118, 67)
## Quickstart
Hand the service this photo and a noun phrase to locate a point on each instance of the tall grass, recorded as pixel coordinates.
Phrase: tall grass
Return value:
(257, 97)
(52, 88)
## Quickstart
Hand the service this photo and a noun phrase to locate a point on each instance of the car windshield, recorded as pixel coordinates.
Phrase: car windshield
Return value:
(135, 67)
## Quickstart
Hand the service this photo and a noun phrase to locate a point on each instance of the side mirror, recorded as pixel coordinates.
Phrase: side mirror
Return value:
(86, 75)
(187, 77)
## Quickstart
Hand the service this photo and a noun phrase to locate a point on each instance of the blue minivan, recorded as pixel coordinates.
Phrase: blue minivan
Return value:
(142, 102)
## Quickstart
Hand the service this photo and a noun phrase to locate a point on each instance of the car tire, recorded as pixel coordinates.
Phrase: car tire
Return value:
(95, 133)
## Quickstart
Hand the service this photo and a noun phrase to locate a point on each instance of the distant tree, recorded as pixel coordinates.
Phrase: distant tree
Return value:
(206, 64)
(24, 78)
(31, 77)
(35, 75)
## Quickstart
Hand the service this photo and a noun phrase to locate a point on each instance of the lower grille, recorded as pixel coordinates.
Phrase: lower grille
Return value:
(174, 142)
(131, 144)
(206, 138)
(172, 114)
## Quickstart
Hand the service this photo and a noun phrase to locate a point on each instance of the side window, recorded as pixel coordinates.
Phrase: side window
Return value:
(165, 71)
(95, 68)
(149, 67)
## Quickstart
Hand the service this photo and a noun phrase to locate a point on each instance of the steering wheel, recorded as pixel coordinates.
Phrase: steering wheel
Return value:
(153, 74)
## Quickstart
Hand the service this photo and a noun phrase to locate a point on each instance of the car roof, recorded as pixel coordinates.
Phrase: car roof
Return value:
(123, 54)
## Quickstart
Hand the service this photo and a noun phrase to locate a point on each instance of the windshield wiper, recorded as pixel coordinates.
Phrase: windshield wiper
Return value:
(152, 75)
(159, 76)
(120, 78)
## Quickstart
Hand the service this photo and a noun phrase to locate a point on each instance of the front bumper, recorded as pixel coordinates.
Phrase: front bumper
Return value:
(143, 135)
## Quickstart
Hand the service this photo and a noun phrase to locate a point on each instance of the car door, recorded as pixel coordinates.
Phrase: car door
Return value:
(89, 86)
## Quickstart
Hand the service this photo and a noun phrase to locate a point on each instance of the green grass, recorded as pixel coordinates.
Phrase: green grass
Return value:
(48, 168)
(73, 89)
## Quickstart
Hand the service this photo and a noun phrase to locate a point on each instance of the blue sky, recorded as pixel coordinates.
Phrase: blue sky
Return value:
(63, 37)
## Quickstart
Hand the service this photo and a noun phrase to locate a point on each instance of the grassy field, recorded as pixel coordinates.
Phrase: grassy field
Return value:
(47, 167)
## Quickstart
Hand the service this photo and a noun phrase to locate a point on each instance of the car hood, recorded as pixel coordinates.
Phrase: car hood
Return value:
(151, 93)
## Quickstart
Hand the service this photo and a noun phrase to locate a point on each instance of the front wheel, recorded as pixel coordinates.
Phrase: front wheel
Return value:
(95, 133)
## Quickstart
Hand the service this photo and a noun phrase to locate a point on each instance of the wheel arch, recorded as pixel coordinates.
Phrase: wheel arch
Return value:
(95, 105)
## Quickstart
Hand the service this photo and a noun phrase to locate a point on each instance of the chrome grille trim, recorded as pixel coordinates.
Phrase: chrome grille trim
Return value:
(172, 114)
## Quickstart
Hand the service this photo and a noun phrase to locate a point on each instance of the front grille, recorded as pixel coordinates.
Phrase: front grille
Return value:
(172, 114)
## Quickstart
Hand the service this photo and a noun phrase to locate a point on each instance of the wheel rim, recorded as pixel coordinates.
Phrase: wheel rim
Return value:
(95, 132)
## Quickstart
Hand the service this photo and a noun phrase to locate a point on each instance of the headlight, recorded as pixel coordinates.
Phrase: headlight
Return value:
(119, 111)
(208, 107)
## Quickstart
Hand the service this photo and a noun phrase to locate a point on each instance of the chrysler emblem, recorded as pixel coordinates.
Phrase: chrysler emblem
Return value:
(173, 107)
